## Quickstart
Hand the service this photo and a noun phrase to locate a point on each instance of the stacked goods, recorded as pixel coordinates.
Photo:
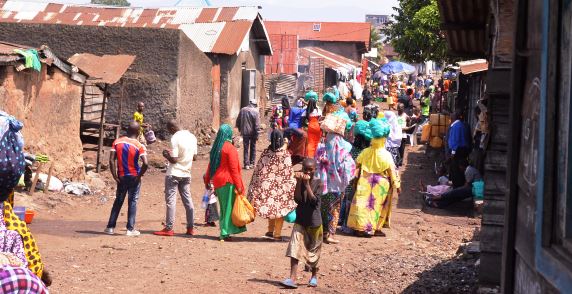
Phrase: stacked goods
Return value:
(439, 125)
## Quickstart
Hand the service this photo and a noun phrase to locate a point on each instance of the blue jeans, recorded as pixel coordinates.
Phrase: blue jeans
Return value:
(249, 143)
(127, 185)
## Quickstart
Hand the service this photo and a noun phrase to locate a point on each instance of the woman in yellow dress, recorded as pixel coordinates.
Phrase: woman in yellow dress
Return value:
(377, 179)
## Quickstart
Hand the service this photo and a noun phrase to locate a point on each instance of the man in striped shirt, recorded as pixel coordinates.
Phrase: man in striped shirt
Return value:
(126, 153)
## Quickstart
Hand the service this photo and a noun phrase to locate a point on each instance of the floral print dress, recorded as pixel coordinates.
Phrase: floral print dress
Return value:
(271, 190)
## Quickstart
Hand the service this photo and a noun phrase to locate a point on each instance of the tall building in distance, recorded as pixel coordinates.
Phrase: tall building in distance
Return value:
(377, 21)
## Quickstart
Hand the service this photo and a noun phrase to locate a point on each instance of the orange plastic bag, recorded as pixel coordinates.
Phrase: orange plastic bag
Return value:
(242, 211)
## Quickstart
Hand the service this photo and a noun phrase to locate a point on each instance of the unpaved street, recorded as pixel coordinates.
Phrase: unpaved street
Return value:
(415, 257)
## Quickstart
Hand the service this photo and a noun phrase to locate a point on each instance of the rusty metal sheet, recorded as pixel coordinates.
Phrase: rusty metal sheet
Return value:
(231, 37)
(473, 66)
(105, 69)
(227, 14)
(358, 32)
(331, 60)
(238, 21)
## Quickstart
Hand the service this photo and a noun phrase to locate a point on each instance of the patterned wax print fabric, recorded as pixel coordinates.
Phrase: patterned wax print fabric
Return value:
(11, 242)
(31, 250)
(371, 204)
(20, 280)
(12, 162)
(271, 190)
(335, 164)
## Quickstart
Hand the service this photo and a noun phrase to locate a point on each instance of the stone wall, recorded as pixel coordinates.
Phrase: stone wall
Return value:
(154, 76)
(194, 86)
(49, 105)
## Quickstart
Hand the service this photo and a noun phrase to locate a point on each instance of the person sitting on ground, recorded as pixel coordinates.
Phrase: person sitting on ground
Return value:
(271, 189)
(443, 184)
(183, 152)
(458, 194)
(124, 166)
(307, 234)
(139, 118)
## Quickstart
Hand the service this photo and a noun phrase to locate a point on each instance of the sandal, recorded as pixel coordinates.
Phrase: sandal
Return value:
(331, 240)
(288, 283)
(313, 282)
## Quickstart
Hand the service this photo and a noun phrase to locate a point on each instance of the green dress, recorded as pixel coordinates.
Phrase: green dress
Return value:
(226, 198)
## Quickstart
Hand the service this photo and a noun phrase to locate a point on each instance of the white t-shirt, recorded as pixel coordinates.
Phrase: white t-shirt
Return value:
(184, 148)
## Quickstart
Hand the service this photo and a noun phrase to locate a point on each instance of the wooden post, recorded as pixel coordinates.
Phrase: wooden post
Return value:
(47, 185)
(120, 108)
(35, 181)
(101, 130)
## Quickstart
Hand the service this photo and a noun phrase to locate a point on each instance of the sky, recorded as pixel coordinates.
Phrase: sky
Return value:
(295, 10)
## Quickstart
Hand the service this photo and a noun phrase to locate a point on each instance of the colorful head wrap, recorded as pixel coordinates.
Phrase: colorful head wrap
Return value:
(329, 97)
(362, 128)
(379, 128)
(311, 95)
(224, 135)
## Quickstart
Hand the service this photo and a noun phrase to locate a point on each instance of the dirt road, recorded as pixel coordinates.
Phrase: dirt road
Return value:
(416, 256)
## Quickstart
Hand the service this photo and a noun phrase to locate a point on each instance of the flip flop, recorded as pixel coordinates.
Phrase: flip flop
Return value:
(313, 282)
(288, 283)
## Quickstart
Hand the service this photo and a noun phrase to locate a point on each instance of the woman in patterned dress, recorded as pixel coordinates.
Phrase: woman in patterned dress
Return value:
(335, 168)
(378, 178)
(271, 190)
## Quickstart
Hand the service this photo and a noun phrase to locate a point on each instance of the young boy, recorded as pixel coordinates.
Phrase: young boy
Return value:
(307, 234)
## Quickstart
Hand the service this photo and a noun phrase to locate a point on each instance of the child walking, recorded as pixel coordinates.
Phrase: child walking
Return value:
(307, 233)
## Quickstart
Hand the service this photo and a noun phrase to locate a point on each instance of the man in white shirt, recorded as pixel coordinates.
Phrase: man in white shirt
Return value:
(183, 152)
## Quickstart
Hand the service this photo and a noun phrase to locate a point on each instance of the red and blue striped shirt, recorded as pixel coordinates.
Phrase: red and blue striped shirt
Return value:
(128, 152)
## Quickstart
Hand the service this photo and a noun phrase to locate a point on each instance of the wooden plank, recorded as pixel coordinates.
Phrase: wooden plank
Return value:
(101, 133)
(36, 177)
(50, 170)
(496, 161)
(493, 212)
(490, 269)
(490, 241)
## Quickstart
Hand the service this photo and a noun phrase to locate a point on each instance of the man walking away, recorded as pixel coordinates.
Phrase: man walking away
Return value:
(458, 146)
(183, 152)
(125, 169)
(248, 123)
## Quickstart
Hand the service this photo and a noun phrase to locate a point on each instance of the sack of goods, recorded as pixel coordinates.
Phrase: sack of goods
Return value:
(334, 124)
(437, 129)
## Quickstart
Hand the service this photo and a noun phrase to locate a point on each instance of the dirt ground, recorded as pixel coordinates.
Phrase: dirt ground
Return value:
(418, 255)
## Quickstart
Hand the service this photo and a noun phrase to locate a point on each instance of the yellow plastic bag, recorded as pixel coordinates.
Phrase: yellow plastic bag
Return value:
(425, 133)
(242, 211)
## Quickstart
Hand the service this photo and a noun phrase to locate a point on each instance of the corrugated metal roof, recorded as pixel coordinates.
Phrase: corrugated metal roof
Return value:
(232, 35)
(331, 60)
(103, 69)
(198, 23)
(473, 66)
(358, 32)
(464, 23)
(204, 35)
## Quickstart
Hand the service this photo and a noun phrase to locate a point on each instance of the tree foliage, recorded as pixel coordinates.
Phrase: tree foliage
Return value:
(376, 42)
(111, 2)
(416, 34)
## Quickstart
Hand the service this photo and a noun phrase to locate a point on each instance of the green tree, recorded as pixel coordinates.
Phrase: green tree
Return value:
(111, 2)
(376, 42)
(416, 34)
